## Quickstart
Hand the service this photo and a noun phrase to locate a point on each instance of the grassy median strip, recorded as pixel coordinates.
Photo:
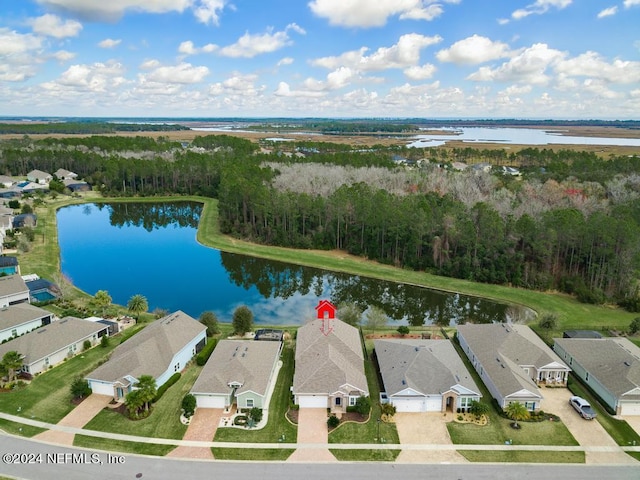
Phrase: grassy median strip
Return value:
(522, 456)
(255, 454)
(110, 445)
(357, 455)
(19, 428)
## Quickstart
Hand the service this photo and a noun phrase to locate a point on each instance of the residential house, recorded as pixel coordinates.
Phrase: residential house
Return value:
(609, 366)
(240, 372)
(62, 174)
(16, 320)
(38, 176)
(6, 181)
(161, 349)
(25, 220)
(9, 265)
(459, 166)
(50, 345)
(481, 167)
(424, 376)
(77, 185)
(512, 361)
(41, 290)
(32, 187)
(13, 290)
(329, 366)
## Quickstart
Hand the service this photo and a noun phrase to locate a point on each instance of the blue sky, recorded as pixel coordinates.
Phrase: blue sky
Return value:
(363, 58)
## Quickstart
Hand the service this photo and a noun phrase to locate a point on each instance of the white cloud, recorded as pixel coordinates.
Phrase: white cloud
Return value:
(369, 13)
(12, 43)
(63, 56)
(109, 43)
(188, 48)
(53, 26)
(183, 73)
(404, 54)
(527, 67)
(97, 77)
(248, 46)
(600, 89)
(284, 90)
(19, 55)
(473, 50)
(631, 3)
(516, 90)
(608, 12)
(540, 7)
(592, 64)
(420, 72)
(285, 61)
(205, 11)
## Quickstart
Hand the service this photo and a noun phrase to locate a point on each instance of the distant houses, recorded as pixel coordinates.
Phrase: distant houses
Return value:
(39, 177)
(13, 290)
(16, 320)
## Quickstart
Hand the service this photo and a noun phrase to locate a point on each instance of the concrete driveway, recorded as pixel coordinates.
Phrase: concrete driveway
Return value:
(425, 429)
(77, 418)
(586, 432)
(312, 429)
(203, 427)
(634, 421)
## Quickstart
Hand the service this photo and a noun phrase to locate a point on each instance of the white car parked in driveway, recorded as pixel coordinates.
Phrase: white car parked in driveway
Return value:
(582, 407)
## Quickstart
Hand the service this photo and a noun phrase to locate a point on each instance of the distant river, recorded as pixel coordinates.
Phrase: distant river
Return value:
(151, 249)
(517, 136)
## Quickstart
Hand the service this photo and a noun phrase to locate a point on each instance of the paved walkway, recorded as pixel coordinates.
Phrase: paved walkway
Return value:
(78, 418)
(203, 427)
(425, 428)
(313, 437)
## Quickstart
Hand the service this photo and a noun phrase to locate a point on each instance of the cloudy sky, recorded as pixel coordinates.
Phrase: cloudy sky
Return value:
(384, 58)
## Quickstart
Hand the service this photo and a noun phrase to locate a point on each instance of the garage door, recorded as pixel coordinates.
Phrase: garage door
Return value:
(102, 388)
(409, 404)
(209, 401)
(434, 404)
(630, 409)
(313, 401)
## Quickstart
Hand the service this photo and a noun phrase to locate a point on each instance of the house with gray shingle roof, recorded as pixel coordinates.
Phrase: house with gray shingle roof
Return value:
(40, 177)
(239, 371)
(50, 345)
(329, 371)
(512, 361)
(609, 366)
(62, 174)
(13, 290)
(16, 320)
(424, 376)
(161, 349)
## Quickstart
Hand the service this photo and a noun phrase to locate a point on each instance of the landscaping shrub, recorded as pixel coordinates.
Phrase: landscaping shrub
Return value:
(333, 421)
(172, 379)
(255, 414)
(189, 405)
(80, 388)
(403, 330)
(362, 406)
(86, 345)
(104, 341)
(205, 353)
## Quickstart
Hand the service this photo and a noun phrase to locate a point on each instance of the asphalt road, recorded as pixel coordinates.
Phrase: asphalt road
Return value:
(42, 462)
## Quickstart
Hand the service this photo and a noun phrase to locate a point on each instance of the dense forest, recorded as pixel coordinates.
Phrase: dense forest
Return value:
(571, 223)
(85, 127)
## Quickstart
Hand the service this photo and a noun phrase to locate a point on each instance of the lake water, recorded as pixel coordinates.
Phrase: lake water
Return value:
(151, 249)
(518, 136)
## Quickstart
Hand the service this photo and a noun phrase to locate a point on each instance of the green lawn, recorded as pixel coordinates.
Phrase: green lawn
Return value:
(277, 425)
(351, 432)
(164, 421)
(522, 456)
(350, 455)
(255, 454)
(110, 445)
(19, 428)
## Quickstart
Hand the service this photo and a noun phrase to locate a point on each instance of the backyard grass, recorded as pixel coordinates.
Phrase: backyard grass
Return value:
(110, 445)
(522, 456)
(277, 425)
(164, 421)
(255, 454)
(352, 432)
(351, 455)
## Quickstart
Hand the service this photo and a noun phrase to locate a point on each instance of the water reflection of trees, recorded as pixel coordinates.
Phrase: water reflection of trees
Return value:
(415, 305)
(151, 216)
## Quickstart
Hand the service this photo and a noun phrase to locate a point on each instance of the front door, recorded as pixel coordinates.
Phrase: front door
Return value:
(338, 401)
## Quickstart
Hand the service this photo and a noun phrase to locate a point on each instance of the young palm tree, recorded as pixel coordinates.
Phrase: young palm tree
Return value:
(517, 411)
(147, 387)
(137, 305)
(134, 402)
(12, 361)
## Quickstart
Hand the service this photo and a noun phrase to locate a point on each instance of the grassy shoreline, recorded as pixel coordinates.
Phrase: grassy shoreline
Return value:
(44, 259)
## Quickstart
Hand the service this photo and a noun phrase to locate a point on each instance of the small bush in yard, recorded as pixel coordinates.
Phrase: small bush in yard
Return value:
(189, 405)
(333, 421)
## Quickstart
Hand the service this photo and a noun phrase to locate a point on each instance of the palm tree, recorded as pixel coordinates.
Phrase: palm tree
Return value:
(517, 411)
(137, 305)
(12, 361)
(133, 401)
(147, 387)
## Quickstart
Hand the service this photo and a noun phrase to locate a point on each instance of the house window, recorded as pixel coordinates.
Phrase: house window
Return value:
(249, 402)
(338, 401)
(352, 401)
(531, 406)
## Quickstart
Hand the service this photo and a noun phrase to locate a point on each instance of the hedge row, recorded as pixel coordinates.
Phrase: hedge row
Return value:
(206, 352)
(172, 379)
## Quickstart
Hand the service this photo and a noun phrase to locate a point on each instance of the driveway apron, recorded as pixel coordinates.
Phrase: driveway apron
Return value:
(425, 429)
(203, 427)
(312, 430)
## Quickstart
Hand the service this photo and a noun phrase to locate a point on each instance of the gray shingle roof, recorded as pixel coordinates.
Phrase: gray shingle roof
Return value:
(150, 351)
(45, 341)
(11, 285)
(324, 363)
(503, 349)
(15, 315)
(614, 362)
(430, 367)
(245, 362)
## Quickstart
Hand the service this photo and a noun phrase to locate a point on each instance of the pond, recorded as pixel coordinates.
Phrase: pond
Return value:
(151, 249)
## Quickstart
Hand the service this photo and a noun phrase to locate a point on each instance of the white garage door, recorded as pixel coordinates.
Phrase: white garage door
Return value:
(313, 401)
(209, 401)
(409, 404)
(434, 404)
(630, 409)
(102, 388)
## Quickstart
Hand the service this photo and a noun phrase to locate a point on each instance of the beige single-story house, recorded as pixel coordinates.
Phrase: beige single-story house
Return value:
(13, 290)
(329, 366)
(512, 361)
(40, 177)
(62, 174)
(50, 345)
(16, 320)
(610, 366)
(161, 349)
(238, 371)
(424, 376)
